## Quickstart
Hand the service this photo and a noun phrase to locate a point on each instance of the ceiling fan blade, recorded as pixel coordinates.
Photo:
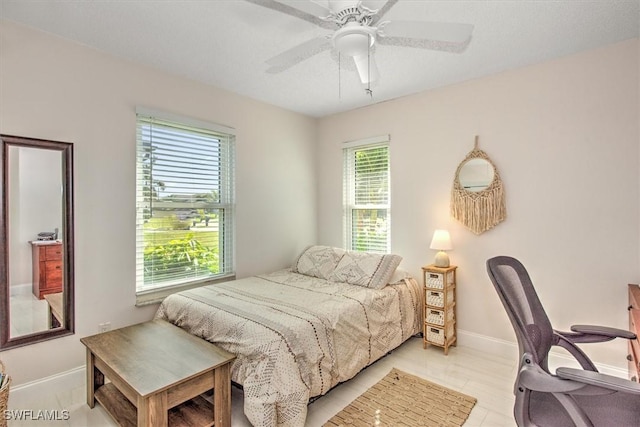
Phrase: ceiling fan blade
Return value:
(309, 6)
(383, 10)
(367, 68)
(432, 31)
(306, 10)
(298, 54)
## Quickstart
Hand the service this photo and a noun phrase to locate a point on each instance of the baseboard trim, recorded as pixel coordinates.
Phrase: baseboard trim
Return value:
(509, 350)
(76, 377)
(49, 386)
(493, 346)
(21, 289)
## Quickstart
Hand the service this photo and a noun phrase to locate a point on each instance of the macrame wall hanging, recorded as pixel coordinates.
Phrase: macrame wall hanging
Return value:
(477, 197)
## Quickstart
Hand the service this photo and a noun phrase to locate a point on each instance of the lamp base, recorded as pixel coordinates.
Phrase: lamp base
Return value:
(442, 259)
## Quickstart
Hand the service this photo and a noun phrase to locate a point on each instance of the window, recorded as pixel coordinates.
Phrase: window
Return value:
(184, 204)
(367, 195)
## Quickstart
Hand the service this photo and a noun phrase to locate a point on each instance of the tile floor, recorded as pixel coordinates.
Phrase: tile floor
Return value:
(486, 377)
(28, 313)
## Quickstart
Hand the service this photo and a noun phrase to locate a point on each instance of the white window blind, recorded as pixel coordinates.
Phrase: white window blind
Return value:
(184, 203)
(367, 195)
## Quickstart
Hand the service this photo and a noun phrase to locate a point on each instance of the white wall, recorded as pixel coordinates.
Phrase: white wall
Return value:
(54, 89)
(564, 137)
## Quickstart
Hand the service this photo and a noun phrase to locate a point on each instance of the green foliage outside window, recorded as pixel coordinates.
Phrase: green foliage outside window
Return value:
(184, 255)
(369, 230)
(369, 219)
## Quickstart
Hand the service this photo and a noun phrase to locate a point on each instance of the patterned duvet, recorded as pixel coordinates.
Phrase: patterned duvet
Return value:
(295, 336)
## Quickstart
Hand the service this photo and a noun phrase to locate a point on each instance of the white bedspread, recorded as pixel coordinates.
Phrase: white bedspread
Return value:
(295, 336)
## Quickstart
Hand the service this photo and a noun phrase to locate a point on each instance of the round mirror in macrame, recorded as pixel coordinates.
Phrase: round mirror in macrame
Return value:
(482, 210)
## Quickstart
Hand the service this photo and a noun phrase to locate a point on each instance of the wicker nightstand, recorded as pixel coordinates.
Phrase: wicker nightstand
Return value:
(439, 306)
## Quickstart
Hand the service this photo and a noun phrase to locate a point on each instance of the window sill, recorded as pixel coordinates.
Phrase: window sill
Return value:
(155, 296)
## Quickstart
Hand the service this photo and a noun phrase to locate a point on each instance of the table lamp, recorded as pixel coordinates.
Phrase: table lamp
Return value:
(441, 242)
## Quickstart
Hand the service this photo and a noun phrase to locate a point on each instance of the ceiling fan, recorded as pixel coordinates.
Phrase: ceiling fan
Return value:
(357, 29)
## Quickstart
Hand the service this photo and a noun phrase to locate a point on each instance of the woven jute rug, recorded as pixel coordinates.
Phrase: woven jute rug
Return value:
(401, 399)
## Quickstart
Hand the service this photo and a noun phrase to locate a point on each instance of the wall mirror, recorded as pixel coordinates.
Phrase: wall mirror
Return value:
(476, 174)
(477, 197)
(36, 231)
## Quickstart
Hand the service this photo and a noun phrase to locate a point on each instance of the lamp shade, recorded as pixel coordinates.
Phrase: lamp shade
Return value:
(441, 241)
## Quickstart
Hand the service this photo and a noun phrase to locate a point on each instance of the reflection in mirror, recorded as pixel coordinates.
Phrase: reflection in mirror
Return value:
(35, 194)
(475, 175)
(477, 197)
(36, 294)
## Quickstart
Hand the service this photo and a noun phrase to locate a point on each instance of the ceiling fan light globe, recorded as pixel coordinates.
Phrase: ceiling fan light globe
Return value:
(352, 44)
(354, 40)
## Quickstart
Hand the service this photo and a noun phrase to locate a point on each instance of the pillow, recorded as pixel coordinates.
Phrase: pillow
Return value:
(318, 261)
(366, 269)
(398, 276)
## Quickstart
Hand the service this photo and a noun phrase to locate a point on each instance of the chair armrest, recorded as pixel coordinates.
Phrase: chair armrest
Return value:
(533, 377)
(562, 340)
(591, 334)
(604, 330)
(599, 380)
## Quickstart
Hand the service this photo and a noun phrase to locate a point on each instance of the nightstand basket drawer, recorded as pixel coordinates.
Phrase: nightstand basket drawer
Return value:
(438, 335)
(436, 280)
(436, 298)
(437, 317)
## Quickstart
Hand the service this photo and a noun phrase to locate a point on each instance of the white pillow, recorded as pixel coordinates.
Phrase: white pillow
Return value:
(366, 269)
(318, 261)
(398, 276)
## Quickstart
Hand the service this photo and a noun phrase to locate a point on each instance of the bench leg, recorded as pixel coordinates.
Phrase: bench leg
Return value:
(222, 396)
(95, 379)
(152, 410)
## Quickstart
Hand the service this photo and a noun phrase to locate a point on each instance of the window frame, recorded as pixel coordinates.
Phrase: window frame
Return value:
(153, 294)
(349, 204)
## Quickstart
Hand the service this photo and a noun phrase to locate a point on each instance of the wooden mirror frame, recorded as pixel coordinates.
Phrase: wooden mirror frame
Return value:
(68, 325)
(479, 211)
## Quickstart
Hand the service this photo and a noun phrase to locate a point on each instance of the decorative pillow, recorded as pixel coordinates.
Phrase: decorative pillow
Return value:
(318, 261)
(366, 269)
(398, 276)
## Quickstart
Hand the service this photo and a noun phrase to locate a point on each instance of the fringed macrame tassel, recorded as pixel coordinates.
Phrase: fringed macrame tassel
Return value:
(480, 213)
(482, 210)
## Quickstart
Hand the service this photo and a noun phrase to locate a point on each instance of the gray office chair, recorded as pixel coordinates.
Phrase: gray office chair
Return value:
(580, 397)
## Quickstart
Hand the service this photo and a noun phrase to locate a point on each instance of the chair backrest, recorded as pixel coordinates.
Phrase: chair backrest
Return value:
(530, 322)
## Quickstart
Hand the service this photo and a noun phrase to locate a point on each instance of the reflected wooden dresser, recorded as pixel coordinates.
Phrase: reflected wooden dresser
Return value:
(47, 267)
(634, 325)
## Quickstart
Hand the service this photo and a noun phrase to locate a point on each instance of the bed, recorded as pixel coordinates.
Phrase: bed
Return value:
(300, 331)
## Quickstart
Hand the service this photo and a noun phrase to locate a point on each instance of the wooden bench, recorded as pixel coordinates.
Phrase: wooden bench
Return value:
(157, 374)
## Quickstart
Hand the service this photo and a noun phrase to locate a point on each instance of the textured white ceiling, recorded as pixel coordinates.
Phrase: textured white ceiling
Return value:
(226, 43)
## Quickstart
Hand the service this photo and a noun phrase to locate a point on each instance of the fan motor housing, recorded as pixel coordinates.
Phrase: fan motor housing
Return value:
(345, 12)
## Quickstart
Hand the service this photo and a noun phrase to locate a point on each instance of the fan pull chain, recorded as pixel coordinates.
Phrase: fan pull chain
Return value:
(339, 79)
(368, 89)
